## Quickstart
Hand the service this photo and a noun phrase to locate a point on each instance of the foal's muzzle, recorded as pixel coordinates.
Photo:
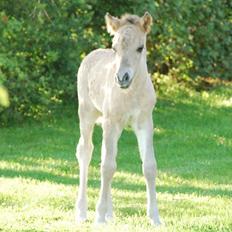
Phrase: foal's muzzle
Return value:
(124, 81)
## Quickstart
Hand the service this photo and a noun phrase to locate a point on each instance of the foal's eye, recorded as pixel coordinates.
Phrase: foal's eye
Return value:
(140, 49)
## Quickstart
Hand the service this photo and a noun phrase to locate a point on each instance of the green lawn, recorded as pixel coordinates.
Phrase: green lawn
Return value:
(193, 143)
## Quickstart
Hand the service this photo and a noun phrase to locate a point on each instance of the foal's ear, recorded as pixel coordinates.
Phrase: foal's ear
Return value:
(146, 22)
(112, 23)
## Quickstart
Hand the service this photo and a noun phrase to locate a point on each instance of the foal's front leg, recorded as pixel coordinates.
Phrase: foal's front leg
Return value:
(144, 133)
(111, 134)
(84, 154)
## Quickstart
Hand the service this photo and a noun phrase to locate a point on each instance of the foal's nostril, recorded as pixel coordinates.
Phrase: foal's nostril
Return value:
(126, 77)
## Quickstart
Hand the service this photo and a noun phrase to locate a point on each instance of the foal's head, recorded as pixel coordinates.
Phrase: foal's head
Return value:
(129, 45)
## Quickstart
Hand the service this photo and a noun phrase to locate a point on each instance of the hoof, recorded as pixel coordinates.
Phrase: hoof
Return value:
(109, 218)
(156, 222)
(100, 220)
(80, 218)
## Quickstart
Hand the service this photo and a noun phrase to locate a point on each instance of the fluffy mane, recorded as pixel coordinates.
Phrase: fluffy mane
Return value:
(114, 23)
(130, 19)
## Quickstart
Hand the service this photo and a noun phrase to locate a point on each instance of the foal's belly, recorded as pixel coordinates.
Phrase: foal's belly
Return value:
(124, 119)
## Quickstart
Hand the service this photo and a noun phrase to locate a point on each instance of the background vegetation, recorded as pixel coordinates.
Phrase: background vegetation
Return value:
(42, 44)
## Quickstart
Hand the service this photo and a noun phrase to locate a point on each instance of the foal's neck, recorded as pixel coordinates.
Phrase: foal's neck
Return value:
(142, 69)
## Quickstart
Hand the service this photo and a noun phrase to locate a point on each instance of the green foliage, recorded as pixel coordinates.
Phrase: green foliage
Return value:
(192, 38)
(42, 44)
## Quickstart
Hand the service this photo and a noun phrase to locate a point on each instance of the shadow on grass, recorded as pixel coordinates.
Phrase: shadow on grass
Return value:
(188, 189)
(95, 183)
(39, 175)
(58, 179)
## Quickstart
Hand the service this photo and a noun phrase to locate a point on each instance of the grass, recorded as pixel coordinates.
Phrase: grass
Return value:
(193, 143)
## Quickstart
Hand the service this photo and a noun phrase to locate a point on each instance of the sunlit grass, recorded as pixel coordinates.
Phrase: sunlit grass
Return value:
(193, 144)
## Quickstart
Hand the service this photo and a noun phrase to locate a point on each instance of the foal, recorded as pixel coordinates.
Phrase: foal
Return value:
(114, 85)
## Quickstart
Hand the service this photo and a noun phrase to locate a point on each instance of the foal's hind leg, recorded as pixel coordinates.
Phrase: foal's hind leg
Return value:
(84, 154)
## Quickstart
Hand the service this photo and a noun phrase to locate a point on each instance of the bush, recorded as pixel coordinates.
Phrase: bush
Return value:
(193, 38)
(43, 42)
(42, 45)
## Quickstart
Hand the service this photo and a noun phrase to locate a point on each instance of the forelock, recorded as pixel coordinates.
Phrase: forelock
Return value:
(130, 19)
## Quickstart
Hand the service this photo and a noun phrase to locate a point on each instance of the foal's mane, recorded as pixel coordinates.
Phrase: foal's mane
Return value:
(130, 19)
